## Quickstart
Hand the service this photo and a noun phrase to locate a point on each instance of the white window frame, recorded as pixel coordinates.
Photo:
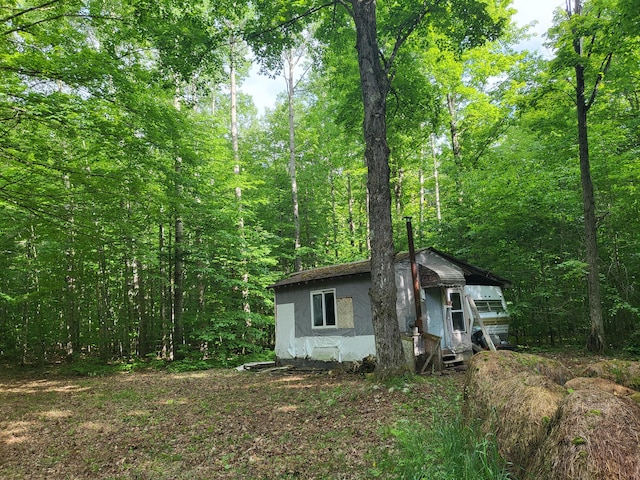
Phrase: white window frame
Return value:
(323, 292)
(460, 311)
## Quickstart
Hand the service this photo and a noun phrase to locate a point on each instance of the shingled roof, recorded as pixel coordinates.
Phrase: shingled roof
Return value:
(333, 271)
(449, 271)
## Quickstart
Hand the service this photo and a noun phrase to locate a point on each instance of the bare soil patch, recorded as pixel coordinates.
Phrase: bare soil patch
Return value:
(206, 425)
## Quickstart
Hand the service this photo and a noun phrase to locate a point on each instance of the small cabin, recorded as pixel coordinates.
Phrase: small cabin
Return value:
(323, 315)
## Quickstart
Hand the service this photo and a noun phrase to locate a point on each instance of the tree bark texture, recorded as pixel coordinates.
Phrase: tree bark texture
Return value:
(375, 87)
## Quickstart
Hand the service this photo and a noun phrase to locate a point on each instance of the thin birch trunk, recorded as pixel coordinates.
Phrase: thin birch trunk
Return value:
(289, 77)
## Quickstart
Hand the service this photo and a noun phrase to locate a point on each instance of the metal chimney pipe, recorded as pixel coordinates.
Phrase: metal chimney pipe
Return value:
(414, 276)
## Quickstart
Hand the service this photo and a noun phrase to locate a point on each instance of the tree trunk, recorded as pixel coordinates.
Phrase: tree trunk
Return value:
(292, 163)
(334, 213)
(453, 128)
(375, 87)
(105, 342)
(72, 321)
(436, 165)
(144, 319)
(352, 226)
(178, 273)
(201, 321)
(596, 338)
(164, 296)
(237, 170)
(33, 341)
(398, 191)
(455, 142)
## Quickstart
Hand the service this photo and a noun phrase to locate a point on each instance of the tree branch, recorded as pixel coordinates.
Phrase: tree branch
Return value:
(405, 31)
(291, 21)
(31, 9)
(603, 70)
(593, 39)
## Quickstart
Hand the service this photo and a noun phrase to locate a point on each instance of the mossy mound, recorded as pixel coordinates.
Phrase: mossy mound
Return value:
(506, 395)
(623, 372)
(595, 435)
(600, 384)
(552, 426)
(494, 366)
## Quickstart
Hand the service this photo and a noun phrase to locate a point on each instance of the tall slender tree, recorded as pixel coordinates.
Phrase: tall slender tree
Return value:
(291, 60)
(587, 41)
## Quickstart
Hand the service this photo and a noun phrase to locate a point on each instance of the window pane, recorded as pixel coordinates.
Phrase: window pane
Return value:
(317, 310)
(330, 305)
(456, 304)
(458, 321)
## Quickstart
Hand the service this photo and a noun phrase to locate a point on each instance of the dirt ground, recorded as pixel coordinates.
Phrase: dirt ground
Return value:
(206, 425)
(212, 424)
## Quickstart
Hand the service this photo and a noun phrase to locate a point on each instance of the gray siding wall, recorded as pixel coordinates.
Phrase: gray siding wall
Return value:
(357, 288)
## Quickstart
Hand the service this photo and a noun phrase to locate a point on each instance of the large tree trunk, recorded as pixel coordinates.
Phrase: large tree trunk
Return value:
(375, 87)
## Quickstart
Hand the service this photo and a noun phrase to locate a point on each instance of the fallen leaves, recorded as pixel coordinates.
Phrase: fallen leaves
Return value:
(213, 424)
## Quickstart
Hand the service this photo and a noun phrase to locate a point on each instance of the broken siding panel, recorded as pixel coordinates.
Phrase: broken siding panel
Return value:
(405, 303)
(340, 349)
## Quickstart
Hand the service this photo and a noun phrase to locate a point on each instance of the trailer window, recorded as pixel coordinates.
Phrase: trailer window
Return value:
(486, 306)
(457, 314)
(323, 308)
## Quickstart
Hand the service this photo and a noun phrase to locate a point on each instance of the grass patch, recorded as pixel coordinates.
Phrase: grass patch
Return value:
(445, 450)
